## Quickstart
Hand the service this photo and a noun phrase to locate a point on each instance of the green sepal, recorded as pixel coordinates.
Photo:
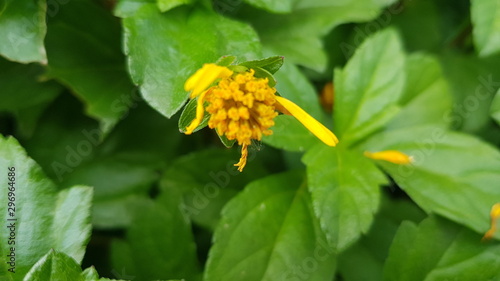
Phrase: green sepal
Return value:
(238, 68)
(225, 60)
(263, 73)
(189, 114)
(271, 64)
(225, 141)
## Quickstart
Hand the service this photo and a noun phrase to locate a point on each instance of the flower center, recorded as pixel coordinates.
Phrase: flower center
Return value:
(242, 107)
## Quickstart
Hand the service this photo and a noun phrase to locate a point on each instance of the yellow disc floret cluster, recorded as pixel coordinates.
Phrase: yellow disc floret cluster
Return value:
(242, 107)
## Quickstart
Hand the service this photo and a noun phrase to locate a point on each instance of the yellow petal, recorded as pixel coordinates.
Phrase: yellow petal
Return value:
(494, 215)
(393, 156)
(200, 111)
(320, 131)
(204, 77)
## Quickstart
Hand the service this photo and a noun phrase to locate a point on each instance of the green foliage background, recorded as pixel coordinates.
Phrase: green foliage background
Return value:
(91, 92)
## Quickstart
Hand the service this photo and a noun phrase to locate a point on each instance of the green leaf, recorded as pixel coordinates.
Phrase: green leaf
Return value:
(118, 180)
(407, 17)
(165, 49)
(128, 8)
(121, 174)
(274, 6)
(271, 64)
(165, 5)
(71, 221)
(55, 266)
(297, 35)
(473, 83)
(366, 258)
(189, 114)
(145, 136)
(125, 166)
(46, 219)
(345, 192)
(87, 59)
(159, 241)
(23, 94)
(22, 30)
(58, 266)
(369, 86)
(444, 251)
(64, 138)
(486, 32)
(90, 274)
(22, 88)
(122, 168)
(116, 212)
(495, 107)
(122, 255)
(252, 241)
(453, 174)
(426, 98)
(208, 179)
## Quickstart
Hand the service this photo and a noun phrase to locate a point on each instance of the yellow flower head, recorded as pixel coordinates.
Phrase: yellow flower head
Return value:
(242, 107)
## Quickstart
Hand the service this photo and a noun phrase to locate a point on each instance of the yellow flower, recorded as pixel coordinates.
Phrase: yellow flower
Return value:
(242, 107)
(392, 156)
